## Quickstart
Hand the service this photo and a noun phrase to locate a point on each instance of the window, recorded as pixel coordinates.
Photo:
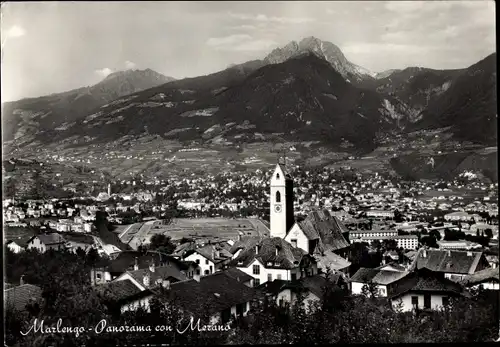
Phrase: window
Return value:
(414, 301)
(198, 261)
(206, 261)
(256, 282)
(278, 175)
(206, 272)
(446, 301)
(427, 301)
(211, 269)
(270, 277)
(256, 270)
(294, 242)
(294, 277)
(98, 276)
(278, 197)
(279, 276)
(198, 272)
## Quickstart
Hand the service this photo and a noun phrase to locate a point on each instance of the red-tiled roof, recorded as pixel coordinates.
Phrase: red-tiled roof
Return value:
(459, 262)
(325, 227)
(288, 257)
(489, 274)
(424, 280)
(117, 290)
(383, 277)
(217, 292)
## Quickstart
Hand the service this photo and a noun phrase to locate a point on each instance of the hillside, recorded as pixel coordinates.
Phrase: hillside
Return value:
(24, 118)
(416, 87)
(416, 166)
(468, 106)
(303, 97)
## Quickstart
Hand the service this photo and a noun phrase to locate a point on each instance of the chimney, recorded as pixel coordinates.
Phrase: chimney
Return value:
(448, 253)
(166, 284)
(494, 265)
(152, 266)
(424, 253)
(239, 237)
(277, 250)
(136, 264)
(257, 248)
(21, 280)
(146, 280)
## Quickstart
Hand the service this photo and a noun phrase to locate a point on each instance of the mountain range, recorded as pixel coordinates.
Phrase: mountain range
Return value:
(27, 117)
(304, 91)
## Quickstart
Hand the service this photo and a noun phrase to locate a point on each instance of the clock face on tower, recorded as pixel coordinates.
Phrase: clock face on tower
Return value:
(277, 208)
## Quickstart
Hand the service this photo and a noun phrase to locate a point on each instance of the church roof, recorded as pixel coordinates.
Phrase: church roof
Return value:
(285, 170)
(328, 229)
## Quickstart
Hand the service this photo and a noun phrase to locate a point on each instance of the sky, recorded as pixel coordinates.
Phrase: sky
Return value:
(50, 47)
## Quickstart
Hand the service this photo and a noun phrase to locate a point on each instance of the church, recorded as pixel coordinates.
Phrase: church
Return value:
(294, 249)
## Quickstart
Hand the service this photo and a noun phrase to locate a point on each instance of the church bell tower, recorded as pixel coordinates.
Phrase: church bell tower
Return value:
(281, 204)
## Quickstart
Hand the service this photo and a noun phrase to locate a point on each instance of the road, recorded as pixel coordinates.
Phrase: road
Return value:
(141, 235)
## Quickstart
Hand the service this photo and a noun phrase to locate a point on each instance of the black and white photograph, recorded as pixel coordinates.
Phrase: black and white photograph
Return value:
(249, 172)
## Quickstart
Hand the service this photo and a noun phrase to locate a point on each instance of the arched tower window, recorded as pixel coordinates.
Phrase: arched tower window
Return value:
(278, 197)
(278, 176)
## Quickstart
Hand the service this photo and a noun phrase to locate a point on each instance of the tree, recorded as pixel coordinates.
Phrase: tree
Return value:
(390, 244)
(162, 243)
(488, 233)
(435, 234)
(429, 241)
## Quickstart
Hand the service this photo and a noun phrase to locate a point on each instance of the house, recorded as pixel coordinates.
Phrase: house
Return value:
(76, 241)
(383, 279)
(243, 243)
(458, 216)
(454, 264)
(18, 244)
(425, 289)
(487, 278)
(460, 245)
(402, 241)
(219, 294)
(274, 258)
(14, 246)
(392, 267)
(380, 214)
(121, 296)
(321, 235)
(18, 297)
(153, 276)
(210, 258)
(44, 242)
(311, 288)
(240, 276)
(108, 270)
(373, 234)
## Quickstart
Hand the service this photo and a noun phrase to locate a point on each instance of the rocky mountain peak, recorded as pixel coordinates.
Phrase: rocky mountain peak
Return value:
(322, 49)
